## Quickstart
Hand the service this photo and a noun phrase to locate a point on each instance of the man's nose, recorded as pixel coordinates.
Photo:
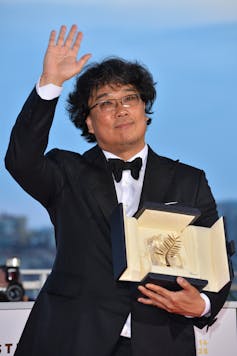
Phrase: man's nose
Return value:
(121, 110)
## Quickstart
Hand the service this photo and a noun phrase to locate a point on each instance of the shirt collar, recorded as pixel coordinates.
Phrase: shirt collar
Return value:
(143, 154)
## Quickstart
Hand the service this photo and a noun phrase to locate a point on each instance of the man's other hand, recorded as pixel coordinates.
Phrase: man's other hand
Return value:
(187, 301)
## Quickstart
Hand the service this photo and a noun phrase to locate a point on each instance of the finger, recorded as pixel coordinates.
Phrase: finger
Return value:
(144, 291)
(159, 290)
(69, 40)
(77, 42)
(52, 38)
(61, 35)
(146, 301)
(184, 283)
(152, 298)
(152, 295)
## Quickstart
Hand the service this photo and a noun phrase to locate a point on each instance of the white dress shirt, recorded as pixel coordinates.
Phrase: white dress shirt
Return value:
(128, 192)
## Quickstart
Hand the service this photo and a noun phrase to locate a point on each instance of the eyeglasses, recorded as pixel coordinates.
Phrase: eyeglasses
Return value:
(111, 104)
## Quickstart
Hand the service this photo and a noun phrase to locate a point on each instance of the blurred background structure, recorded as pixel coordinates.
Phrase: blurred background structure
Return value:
(189, 46)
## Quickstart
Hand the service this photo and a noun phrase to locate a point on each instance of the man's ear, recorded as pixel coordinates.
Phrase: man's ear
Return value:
(89, 125)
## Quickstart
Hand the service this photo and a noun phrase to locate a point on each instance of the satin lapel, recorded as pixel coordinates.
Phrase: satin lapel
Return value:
(158, 178)
(100, 181)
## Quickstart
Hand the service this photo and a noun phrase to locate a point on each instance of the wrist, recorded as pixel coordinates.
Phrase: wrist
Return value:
(207, 308)
(46, 79)
(48, 91)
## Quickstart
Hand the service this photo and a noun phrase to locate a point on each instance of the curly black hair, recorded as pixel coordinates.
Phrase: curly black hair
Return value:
(110, 71)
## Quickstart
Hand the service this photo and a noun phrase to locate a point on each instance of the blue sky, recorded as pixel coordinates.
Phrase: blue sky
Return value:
(189, 46)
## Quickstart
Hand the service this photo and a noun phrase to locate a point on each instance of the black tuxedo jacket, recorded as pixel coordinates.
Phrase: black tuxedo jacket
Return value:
(81, 310)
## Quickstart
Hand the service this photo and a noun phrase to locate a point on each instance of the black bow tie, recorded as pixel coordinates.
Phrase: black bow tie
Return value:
(117, 166)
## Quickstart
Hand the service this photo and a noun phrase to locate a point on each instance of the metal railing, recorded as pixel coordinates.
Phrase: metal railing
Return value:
(33, 279)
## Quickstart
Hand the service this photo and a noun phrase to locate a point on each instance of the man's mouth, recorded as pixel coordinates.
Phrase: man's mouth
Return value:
(123, 125)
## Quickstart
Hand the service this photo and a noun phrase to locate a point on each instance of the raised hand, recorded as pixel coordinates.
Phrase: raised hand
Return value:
(186, 302)
(60, 61)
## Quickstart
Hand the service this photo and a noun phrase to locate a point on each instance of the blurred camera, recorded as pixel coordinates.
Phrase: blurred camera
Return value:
(11, 288)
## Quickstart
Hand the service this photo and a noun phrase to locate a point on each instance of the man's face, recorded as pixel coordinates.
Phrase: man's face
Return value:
(122, 129)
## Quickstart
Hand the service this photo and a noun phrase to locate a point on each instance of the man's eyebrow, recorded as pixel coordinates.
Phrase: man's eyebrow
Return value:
(104, 95)
(100, 96)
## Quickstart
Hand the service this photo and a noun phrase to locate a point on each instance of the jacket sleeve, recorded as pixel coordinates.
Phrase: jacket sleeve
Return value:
(206, 203)
(25, 158)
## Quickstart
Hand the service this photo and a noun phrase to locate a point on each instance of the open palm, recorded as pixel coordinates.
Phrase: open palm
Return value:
(60, 62)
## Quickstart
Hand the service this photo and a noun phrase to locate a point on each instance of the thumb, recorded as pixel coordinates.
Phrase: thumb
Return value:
(82, 61)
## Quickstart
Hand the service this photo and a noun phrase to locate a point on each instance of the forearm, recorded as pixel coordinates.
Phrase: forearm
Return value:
(29, 137)
(25, 158)
(217, 301)
(206, 203)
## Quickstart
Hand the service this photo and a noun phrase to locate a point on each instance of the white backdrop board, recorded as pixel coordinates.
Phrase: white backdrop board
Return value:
(219, 340)
(221, 337)
(13, 316)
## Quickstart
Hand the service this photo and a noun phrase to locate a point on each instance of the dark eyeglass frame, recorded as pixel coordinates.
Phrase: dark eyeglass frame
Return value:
(121, 100)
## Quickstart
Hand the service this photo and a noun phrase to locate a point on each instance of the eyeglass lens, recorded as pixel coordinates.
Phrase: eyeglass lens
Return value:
(126, 101)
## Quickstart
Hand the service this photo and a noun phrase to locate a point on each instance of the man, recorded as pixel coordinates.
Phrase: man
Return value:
(81, 310)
